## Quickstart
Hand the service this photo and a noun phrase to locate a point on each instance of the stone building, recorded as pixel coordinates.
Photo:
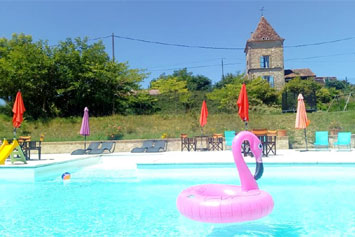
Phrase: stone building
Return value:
(264, 55)
(303, 73)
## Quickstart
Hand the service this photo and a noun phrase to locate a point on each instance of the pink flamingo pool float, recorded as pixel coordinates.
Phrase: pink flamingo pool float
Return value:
(223, 203)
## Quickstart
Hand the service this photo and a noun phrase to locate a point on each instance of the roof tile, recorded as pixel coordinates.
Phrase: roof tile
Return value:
(264, 32)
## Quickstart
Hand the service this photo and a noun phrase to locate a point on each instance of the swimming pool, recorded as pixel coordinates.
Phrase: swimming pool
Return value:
(310, 200)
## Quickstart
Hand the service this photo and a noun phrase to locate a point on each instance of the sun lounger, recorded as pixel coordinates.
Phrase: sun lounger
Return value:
(322, 140)
(146, 144)
(105, 146)
(344, 139)
(159, 145)
(92, 146)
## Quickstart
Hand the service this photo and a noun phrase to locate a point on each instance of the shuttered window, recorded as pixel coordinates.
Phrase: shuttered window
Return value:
(264, 61)
(269, 79)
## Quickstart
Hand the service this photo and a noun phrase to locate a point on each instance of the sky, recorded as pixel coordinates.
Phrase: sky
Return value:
(323, 31)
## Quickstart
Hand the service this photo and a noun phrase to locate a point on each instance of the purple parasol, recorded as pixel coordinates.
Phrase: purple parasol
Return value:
(85, 127)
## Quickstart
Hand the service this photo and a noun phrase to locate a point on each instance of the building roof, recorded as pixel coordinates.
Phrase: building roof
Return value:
(153, 92)
(323, 80)
(303, 72)
(264, 32)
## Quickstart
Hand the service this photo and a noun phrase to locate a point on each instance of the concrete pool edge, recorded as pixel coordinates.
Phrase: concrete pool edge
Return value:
(60, 163)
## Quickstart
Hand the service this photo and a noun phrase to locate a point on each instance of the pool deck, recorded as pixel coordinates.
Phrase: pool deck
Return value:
(176, 157)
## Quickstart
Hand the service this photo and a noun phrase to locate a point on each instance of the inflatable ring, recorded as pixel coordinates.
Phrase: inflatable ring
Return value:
(222, 203)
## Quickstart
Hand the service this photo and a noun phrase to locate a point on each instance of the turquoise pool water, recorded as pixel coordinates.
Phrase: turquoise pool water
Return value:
(310, 200)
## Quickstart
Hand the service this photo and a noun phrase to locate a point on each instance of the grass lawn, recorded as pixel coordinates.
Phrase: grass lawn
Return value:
(154, 126)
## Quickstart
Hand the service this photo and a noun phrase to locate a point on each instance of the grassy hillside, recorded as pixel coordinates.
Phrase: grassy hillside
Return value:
(154, 126)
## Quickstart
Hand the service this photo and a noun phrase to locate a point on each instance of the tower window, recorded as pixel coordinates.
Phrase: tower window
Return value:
(264, 61)
(269, 79)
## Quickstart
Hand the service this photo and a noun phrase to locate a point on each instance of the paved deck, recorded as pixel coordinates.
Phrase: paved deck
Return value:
(175, 157)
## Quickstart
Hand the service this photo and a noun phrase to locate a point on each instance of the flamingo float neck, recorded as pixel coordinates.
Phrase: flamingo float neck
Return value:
(246, 178)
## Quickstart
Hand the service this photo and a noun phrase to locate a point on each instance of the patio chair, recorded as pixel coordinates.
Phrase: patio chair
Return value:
(184, 142)
(261, 133)
(159, 145)
(146, 144)
(31, 145)
(344, 139)
(215, 143)
(92, 146)
(229, 136)
(271, 142)
(321, 140)
(105, 146)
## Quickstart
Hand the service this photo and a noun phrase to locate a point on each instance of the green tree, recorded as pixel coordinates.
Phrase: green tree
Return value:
(226, 97)
(193, 83)
(259, 93)
(62, 80)
(172, 89)
(297, 85)
(142, 103)
(86, 77)
(308, 88)
(230, 78)
(27, 66)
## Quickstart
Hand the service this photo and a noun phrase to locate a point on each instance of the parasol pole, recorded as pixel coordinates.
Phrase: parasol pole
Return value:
(85, 142)
(305, 135)
(246, 125)
(201, 134)
(15, 132)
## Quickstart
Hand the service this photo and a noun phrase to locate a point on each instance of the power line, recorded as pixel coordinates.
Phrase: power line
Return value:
(228, 48)
(210, 47)
(201, 66)
(177, 45)
(319, 43)
(322, 56)
(194, 62)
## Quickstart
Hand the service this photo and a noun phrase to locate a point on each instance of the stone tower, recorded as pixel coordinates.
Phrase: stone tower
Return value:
(265, 56)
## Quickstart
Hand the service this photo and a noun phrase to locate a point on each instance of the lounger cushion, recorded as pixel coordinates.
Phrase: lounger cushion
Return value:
(79, 152)
(146, 144)
(138, 149)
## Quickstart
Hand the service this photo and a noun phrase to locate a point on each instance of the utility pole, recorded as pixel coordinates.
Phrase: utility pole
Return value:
(113, 60)
(222, 70)
(113, 47)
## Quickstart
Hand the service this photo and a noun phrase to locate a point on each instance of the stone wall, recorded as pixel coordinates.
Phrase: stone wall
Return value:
(174, 144)
(274, 49)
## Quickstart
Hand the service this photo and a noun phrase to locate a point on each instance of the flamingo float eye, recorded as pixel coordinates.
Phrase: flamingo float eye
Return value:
(260, 146)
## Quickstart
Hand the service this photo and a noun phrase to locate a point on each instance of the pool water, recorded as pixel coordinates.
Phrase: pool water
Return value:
(310, 200)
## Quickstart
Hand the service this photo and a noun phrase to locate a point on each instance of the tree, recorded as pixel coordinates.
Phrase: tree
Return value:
(173, 89)
(193, 83)
(339, 85)
(28, 67)
(230, 78)
(297, 85)
(62, 80)
(142, 103)
(260, 92)
(86, 77)
(226, 97)
(308, 88)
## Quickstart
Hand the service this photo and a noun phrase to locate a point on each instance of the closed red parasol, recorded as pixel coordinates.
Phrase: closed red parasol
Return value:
(18, 109)
(204, 114)
(243, 105)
